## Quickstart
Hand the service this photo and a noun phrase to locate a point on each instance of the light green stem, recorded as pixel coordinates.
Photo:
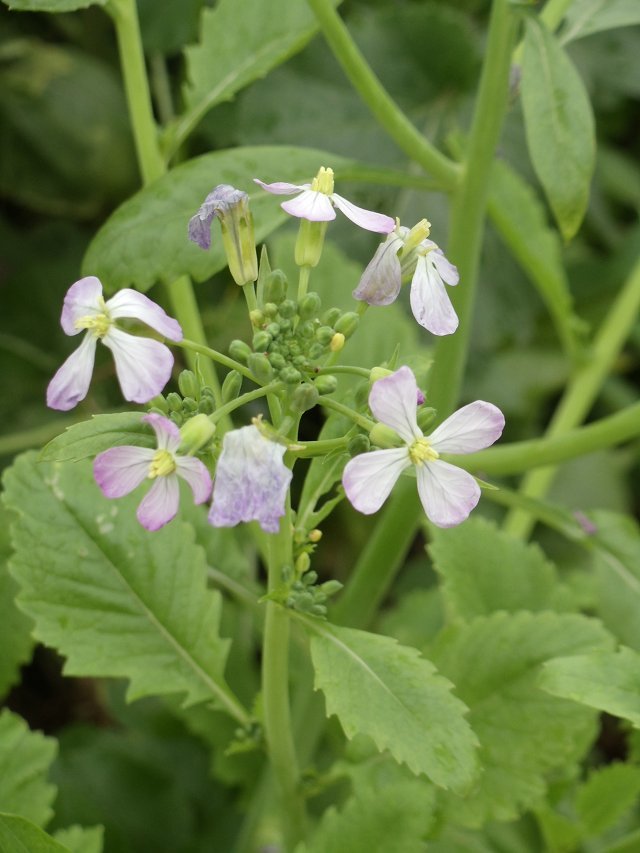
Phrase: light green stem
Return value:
(249, 291)
(214, 355)
(554, 11)
(303, 282)
(222, 412)
(341, 409)
(583, 390)
(363, 372)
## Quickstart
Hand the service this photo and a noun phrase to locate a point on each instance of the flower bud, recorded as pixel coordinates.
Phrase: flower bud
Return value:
(315, 351)
(189, 405)
(305, 330)
(188, 384)
(197, 432)
(231, 386)
(290, 375)
(426, 417)
(160, 404)
(331, 316)
(174, 402)
(256, 317)
(275, 287)
(309, 243)
(324, 334)
(347, 324)
(383, 436)
(277, 360)
(288, 309)
(359, 443)
(337, 342)
(378, 373)
(270, 310)
(207, 405)
(240, 351)
(304, 397)
(302, 564)
(261, 341)
(330, 588)
(326, 384)
(315, 535)
(260, 366)
(309, 307)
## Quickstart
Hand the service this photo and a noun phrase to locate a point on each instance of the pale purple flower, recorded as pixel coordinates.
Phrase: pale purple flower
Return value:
(448, 493)
(143, 365)
(251, 481)
(381, 281)
(316, 202)
(120, 470)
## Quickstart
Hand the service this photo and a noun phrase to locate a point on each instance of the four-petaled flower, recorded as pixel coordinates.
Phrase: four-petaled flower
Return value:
(143, 365)
(409, 252)
(120, 470)
(448, 494)
(251, 481)
(316, 202)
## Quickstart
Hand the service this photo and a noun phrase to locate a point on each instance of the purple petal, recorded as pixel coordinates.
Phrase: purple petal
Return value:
(381, 280)
(130, 303)
(471, 428)
(281, 187)
(366, 219)
(369, 478)
(200, 230)
(167, 433)
(393, 402)
(448, 494)
(71, 382)
(120, 470)
(196, 474)
(430, 304)
(219, 202)
(83, 299)
(310, 205)
(160, 504)
(143, 365)
(251, 481)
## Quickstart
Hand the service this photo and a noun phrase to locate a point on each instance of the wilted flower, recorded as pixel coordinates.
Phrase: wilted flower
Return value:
(409, 252)
(448, 493)
(120, 470)
(143, 365)
(251, 481)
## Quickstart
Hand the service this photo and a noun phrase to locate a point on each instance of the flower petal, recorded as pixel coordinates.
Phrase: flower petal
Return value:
(367, 219)
(380, 282)
(160, 504)
(430, 304)
(196, 474)
(167, 433)
(447, 271)
(130, 303)
(369, 477)
(120, 470)
(71, 382)
(81, 300)
(251, 481)
(471, 428)
(142, 364)
(281, 187)
(448, 494)
(393, 401)
(310, 205)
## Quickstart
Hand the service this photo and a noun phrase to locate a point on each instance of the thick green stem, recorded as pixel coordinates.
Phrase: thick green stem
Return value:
(583, 390)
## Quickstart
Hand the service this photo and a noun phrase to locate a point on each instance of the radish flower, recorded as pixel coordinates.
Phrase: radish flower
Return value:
(448, 493)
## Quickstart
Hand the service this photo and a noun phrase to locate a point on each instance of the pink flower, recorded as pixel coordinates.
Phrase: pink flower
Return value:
(120, 470)
(316, 202)
(448, 494)
(143, 365)
(251, 481)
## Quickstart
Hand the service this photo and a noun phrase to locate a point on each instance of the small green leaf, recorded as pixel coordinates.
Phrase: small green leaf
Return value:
(607, 794)
(585, 17)
(608, 681)
(51, 5)
(559, 126)
(25, 757)
(79, 839)
(390, 693)
(18, 835)
(86, 439)
(16, 641)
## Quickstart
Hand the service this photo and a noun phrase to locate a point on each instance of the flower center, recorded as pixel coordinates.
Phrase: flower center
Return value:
(162, 464)
(323, 181)
(421, 451)
(418, 233)
(98, 324)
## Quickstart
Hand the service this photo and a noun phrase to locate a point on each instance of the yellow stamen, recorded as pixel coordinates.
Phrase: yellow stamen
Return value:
(323, 181)
(418, 233)
(98, 324)
(421, 451)
(162, 464)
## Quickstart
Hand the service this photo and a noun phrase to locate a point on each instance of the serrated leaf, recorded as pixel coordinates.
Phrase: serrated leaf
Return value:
(25, 757)
(87, 439)
(115, 600)
(494, 662)
(16, 641)
(606, 795)
(485, 569)
(145, 241)
(18, 835)
(390, 693)
(80, 839)
(559, 126)
(608, 681)
(585, 17)
(51, 5)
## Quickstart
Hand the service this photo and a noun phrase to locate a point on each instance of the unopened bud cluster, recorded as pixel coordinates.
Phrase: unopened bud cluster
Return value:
(194, 399)
(305, 593)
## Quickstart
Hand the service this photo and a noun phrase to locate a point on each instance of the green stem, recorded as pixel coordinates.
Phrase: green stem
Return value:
(583, 390)
(250, 295)
(554, 11)
(341, 409)
(309, 449)
(214, 355)
(303, 282)
(364, 372)
(242, 400)
(375, 96)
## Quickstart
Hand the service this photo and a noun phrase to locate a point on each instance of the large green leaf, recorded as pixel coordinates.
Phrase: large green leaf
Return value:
(524, 734)
(86, 439)
(145, 241)
(15, 629)
(559, 126)
(51, 5)
(608, 681)
(606, 795)
(387, 691)
(25, 757)
(18, 835)
(485, 569)
(585, 17)
(114, 599)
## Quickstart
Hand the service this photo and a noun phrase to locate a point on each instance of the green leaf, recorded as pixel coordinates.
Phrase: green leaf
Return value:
(18, 835)
(25, 757)
(607, 794)
(51, 5)
(145, 240)
(494, 662)
(86, 439)
(608, 681)
(387, 691)
(485, 569)
(115, 600)
(79, 839)
(15, 629)
(585, 17)
(559, 126)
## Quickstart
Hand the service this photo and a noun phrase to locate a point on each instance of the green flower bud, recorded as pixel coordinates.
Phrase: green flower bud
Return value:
(331, 316)
(347, 324)
(261, 341)
(231, 386)
(240, 351)
(207, 405)
(324, 334)
(270, 309)
(362, 394)
(302, 564)
(315, 351)
(305, 330)
(195, 434)
(277, 360)
(275, 287)
(358, 444)
(189, 405)
(330, 588)
(426, 417)
(273, 329)
(288, 308)
(257, 318)
(188, 384)
(326, 384)
(174, 402)
(304, 397)
(318, 610)
(309, 243)
(378, 373)
(160, 404)
(260, 366)
(290, 375)
(383, 436)
(309, 307)
(284, 324)
(309, 577)
(337, 342)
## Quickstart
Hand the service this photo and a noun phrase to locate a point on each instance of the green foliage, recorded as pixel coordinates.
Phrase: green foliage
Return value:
(387, 691)
(18, 835)
(87, 439)
(51, 5)
(15, 628)
(585, 17)
(130, 604)
(607, 794)
(559, 125)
